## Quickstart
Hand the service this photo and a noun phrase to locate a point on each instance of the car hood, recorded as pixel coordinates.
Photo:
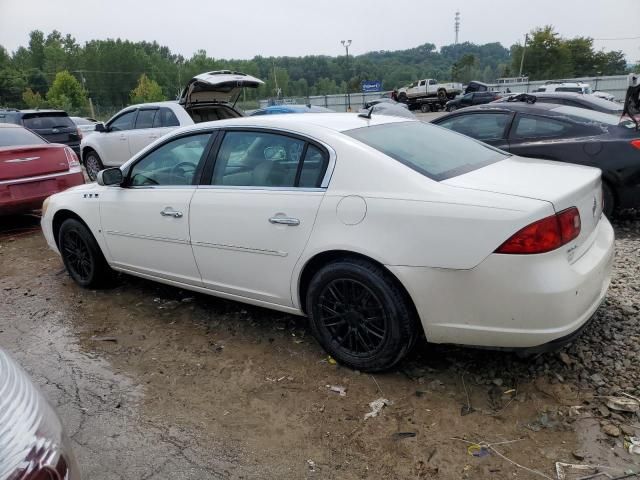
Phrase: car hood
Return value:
(221, 86)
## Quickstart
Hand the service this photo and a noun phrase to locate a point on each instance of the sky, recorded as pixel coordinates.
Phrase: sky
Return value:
(247, 28)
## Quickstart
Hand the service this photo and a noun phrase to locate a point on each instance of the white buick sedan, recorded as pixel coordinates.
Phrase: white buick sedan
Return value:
(374, 228)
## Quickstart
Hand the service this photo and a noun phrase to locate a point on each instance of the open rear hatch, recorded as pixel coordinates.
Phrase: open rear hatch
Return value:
(221, 86)
(31, 161)
(563, 185)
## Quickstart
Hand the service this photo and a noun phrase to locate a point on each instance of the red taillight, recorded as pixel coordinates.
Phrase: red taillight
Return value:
(72, 158)
(636, 143)
(544, 235)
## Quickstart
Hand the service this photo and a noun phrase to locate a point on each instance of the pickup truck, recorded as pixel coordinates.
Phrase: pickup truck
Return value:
(429, 87)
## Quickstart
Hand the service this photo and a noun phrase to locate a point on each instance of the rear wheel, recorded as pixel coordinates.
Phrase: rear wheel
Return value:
(609, 200)
(360, 315)
(442, 95)
(402, 97)
(81, 255)
(93, 164)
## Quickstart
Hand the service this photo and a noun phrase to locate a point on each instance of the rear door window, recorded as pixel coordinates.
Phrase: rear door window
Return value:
(529, 126)
(145, 118)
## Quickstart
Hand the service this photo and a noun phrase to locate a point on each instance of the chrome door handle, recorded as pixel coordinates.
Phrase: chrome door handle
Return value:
(170, 212)
(293, 222)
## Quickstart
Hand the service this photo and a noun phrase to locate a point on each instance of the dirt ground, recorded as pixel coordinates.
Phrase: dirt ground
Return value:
(153, 382)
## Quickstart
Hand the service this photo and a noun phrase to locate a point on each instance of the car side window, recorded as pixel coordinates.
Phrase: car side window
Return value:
(539, 127)
(262, 159)
(481, 126)
(432, 82)
(123, 122)
(423, 82)
(165, 118)
(174, 163)
(145, 118)
(313, 168)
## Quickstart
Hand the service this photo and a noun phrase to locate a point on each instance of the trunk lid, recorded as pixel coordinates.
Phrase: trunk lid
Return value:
(563, 185)
(221, 86)
(31, 161)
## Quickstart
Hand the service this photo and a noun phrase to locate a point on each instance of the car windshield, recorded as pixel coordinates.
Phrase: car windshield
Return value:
(11, 137)
(433, 151)
(585, 115)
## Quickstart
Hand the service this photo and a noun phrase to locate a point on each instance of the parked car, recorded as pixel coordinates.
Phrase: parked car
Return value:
(429, 87)
(31, 169)
(575, 87)
(85, 125)
(373, 226)
(476, 86)
(208, 96)
(469, 99)
(571, 99)
(53, 125)
(33, 443)
(385, 108)
(388, 100)
(561, 133)
(279, 109)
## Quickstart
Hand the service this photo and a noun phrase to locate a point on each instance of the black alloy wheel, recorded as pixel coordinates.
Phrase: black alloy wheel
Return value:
(360, 314)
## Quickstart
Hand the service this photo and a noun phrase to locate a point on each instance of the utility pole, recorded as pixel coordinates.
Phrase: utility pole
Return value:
(524, 49)
(346, 44)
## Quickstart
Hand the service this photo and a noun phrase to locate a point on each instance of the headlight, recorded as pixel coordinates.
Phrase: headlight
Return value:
(32, 440)
(45, 205)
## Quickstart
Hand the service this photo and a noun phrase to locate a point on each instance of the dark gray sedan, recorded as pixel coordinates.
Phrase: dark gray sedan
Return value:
(562, 133)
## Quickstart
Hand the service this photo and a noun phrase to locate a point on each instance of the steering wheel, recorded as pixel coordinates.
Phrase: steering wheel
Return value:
(179, 170)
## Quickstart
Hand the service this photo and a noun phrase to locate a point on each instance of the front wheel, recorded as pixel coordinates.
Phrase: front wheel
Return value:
(451, 108)
(424, 108)
(360, 315)
(81, 255)
(93, 165)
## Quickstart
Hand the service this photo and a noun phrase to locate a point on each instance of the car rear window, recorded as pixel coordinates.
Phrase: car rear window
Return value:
(11, 137)
(47, 121)
(585, 115)
(433, 151)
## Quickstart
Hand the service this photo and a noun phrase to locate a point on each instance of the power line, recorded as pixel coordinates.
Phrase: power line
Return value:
(617, 38)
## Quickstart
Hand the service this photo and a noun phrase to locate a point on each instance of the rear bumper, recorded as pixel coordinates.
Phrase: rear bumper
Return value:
(27, 194)
(513, 301)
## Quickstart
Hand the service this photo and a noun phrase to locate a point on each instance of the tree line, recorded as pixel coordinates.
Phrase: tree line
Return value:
(54, 70)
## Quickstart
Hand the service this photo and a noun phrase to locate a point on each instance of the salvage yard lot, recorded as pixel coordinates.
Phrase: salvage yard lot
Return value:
(156, 382)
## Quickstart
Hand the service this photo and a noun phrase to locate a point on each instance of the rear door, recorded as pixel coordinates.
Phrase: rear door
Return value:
(250, 224)
(547, 138)
(486, 126)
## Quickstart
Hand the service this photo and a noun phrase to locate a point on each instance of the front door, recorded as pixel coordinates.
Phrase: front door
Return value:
(115, 141)
(251, 224)
(146, 222)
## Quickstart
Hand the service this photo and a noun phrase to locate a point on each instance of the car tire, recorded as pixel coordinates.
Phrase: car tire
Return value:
(402, 97)
(442, 95)
(361, 315)
(451, 108)
(82, 256)
(609, 200)
(424, 108)
(93, 164)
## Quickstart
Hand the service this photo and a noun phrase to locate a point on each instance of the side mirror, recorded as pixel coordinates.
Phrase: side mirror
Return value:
(100, 127)
(110, 176)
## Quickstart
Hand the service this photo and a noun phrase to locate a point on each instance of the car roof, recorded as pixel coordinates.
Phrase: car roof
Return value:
(48, 110)
(516, 107)
(338, 122)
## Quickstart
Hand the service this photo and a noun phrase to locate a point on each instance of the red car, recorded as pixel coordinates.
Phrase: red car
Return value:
(31, 169)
